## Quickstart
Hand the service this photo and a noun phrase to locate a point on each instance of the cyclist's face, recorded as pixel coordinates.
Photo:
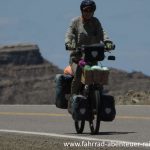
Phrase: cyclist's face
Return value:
(87, 13)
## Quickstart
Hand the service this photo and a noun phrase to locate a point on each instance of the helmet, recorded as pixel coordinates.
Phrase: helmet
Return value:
(88, 3)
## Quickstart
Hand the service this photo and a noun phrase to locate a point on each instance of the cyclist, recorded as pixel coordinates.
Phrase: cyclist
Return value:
(83, 30)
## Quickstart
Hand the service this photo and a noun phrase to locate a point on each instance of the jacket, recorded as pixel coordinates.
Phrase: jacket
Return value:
(83, 33)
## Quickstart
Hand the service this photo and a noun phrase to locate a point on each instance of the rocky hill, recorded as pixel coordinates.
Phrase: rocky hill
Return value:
(27, 78)
(129, 88)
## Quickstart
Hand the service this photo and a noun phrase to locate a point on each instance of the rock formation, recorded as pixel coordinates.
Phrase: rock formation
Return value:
(25, 76)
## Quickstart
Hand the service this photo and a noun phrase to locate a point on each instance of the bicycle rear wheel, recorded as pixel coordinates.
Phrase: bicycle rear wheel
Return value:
(95, 122)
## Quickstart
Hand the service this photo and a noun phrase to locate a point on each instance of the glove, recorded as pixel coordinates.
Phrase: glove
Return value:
(70, 46)
(82, 63)
(109, 45)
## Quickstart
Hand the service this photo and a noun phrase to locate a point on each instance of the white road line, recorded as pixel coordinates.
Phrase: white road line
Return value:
(113, 142)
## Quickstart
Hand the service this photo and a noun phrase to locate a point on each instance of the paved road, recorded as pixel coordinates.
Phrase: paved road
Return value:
(132, 123)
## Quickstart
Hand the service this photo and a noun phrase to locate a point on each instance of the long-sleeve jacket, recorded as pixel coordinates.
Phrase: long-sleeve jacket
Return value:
(84, 33)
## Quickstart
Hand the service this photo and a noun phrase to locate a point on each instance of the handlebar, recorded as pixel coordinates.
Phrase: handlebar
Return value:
(99, 46)
(95, 52)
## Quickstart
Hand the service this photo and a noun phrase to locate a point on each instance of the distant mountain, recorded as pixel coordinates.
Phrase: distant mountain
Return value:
(27, 78)
(129, 88)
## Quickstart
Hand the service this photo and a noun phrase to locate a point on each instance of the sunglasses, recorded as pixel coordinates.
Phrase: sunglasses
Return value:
(88, 10)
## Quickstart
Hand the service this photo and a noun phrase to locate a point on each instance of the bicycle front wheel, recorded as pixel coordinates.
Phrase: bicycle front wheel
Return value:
(94, 123)
(79, 126)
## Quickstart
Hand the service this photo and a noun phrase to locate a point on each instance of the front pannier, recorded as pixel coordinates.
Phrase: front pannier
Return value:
(108, 111)
(80, 108)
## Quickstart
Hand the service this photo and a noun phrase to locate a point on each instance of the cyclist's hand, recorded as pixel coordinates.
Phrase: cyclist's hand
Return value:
(70, 45)
(109, 45)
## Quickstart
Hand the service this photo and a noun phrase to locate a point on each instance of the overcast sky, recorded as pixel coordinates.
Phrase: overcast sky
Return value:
(44, 22)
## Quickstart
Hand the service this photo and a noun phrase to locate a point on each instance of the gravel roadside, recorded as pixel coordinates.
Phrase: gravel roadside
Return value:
(31, 142)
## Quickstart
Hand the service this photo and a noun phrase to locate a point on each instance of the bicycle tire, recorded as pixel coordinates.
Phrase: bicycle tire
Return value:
(79, 126)
(94, 127)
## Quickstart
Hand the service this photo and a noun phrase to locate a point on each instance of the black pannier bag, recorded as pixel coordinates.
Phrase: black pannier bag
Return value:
(108, 111)
(62, 87)
(80, 108)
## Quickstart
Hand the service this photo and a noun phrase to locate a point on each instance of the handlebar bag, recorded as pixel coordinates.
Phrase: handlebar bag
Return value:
(94, 52)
